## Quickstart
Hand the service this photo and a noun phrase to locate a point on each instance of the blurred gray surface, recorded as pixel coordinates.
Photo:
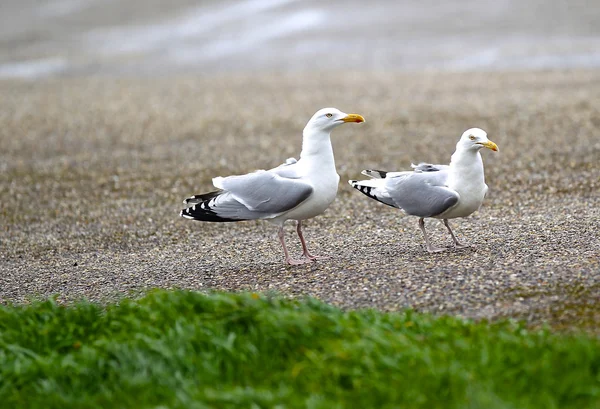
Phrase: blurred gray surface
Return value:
(149, 37)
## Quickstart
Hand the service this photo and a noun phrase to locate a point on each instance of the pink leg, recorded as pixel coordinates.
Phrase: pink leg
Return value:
(458, 244)
(305, 251)
(430, 248)
(289, 260)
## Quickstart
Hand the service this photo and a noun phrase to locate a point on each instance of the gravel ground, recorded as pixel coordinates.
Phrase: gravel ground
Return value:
(93, 172)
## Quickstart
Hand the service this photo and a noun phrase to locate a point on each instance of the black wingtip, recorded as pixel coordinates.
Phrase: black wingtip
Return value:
(205, 216)
(201, 210)
(203, 197)
(374, 173)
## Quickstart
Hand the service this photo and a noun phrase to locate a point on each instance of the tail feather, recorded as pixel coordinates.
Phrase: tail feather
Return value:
(201, 208)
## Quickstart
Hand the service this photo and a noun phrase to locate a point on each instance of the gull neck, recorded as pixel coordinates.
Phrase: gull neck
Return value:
(316, 143)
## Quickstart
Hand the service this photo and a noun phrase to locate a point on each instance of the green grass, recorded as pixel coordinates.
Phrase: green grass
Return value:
(173, 349)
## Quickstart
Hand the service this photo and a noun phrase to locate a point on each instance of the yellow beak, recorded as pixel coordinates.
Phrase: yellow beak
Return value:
(490, 145)
(353, 118)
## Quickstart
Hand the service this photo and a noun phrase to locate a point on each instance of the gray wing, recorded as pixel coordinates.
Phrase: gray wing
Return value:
(288, 169)
(428, 167)
(267, 192)
(423, 194)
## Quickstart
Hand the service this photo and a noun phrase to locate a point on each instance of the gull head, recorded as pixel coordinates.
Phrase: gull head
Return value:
(475, 139)
(328, 118)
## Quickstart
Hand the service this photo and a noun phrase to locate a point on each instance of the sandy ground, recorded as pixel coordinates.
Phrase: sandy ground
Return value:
(93, 172)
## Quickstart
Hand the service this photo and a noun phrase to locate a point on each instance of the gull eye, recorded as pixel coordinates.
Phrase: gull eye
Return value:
(472, 137)
(328, 115)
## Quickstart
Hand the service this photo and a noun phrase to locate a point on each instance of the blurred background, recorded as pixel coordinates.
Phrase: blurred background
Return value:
(40, 38)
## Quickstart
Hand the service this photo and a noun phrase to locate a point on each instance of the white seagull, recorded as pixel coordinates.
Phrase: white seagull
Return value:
(439, 191)
(295, 190)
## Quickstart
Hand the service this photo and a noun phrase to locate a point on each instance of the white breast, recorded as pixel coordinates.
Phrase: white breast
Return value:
(467, 179)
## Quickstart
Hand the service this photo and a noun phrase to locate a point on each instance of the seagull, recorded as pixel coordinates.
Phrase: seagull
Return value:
(439, 191)
(296, 190)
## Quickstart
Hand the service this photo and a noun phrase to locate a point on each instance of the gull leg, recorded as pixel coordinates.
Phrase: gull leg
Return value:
(305, 251)
(457, 243)
(429, 247)
(288, 260)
